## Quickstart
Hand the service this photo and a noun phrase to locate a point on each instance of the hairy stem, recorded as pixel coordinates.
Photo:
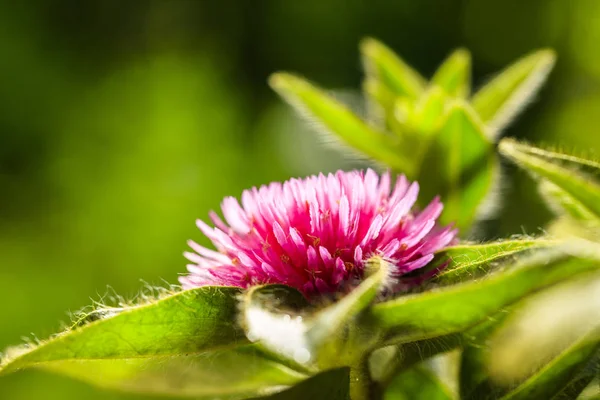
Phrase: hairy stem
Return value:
(362, 386)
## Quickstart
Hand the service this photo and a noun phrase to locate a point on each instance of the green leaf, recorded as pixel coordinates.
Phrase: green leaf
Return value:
(399, 357)
(573, 175)
(454, 75)
(565, 373)
(429, 112)
(563, 204)
(383, 65)
(563, 377)
(418, 383)
(458, 307)
(416, 124)
(338, 120)
(186, 344)
(499, 101)
(541, 347)
(459, 166)
(236, 373)
(388, 361)
(471, 260)
(380, 104)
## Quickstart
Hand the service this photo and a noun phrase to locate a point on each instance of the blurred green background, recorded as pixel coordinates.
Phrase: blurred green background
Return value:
(123, 121)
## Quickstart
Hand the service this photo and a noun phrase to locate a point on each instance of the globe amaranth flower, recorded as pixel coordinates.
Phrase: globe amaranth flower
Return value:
(316, 234)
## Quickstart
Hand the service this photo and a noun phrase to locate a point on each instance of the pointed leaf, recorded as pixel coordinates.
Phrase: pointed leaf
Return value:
(573, 175)
(551, 345)
(540, 347)
(237, 373)
(380, 104)
(459, 166)
(416, 124)
(384, 65)
(163, 347)
(471, 260)
(455, 308)
(563, 204)
(565, 372)
(499, 101)
(429, 112)
(563, 378)
(454, 75)
(338, 120)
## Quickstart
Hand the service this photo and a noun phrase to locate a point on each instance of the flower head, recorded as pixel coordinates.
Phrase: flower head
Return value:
(315, 234)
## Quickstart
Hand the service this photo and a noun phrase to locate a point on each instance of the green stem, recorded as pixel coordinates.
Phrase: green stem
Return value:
(362, 386)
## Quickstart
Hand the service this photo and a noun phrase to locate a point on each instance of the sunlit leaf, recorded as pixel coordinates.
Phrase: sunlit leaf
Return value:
(335, 118)
(459, 166)
(501, 99)
(384, 65)
(573, 175)
(467, 260)
(236, 373)
(429, 112)
(417, 124)
(563, 204)
(454, 75)
(546, 347)
(458, 307)
(380, 103)
(566, 375)
(403, 114)
(186, 344)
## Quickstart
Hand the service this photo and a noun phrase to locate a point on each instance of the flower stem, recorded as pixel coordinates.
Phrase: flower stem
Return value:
(361, 385)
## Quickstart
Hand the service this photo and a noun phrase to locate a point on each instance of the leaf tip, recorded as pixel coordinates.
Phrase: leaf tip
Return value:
(507, 146)
(547, 55)
(279, 80)
(369, 45)
(462, 56)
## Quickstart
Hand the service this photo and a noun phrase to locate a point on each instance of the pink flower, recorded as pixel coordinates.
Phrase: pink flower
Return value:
(315, 234)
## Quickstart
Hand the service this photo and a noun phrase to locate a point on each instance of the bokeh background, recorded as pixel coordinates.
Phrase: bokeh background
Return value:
(121, 122)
